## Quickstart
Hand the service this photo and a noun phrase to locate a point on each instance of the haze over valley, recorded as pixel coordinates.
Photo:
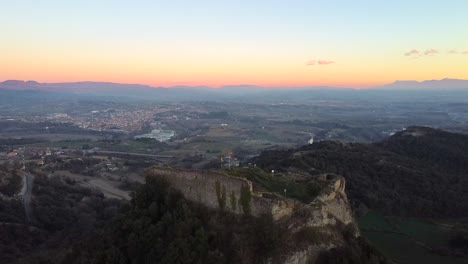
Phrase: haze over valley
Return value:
(234, 132)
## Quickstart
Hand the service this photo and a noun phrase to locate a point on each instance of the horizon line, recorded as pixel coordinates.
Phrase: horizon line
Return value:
(215, 87)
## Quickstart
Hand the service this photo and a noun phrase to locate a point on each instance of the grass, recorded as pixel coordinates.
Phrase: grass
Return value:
(221, 132)
(398, 238)
(304, 192)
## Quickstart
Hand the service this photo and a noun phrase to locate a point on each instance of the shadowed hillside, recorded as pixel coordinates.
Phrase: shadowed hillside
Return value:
(417, 172)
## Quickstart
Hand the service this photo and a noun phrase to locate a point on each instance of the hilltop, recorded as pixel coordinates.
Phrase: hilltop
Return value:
(417, 172)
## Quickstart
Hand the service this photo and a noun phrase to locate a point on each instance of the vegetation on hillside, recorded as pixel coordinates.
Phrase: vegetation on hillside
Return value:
(160, 225)
(64, 213)
(10, 181)
(420, 173)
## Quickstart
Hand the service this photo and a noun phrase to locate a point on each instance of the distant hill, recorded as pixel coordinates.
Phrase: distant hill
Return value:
(418, 172)
(444, 84)
(104, 89)
(78, 87)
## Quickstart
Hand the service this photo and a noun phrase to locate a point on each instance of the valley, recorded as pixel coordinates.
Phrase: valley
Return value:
(400, 179)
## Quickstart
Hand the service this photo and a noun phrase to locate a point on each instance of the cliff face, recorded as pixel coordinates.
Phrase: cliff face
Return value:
(322, 221)
(219, 191)
(333, 201)
(326, 217)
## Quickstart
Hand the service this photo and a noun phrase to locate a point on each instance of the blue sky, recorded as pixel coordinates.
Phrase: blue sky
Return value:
(229, 42)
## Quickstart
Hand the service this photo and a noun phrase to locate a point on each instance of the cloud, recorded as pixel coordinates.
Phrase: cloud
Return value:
(430, 52)
(325, 62)
(416, 54)
(412, 52)
(319, 62)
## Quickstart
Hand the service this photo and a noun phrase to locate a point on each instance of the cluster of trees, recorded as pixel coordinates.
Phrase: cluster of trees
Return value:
(161, 226)
(422, 175)
(77, 225)
(215, 115)
(84, 165)
(457, 246)
(60, 204)
(4, 142)
(445, 151)
(10, 181)
(64, 213)
(11, 211)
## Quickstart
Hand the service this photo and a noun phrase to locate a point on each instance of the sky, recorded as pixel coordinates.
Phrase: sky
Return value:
(214, 43)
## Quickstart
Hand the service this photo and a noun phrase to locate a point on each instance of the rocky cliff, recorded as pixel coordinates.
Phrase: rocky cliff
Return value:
(313, 228)
(219, 191)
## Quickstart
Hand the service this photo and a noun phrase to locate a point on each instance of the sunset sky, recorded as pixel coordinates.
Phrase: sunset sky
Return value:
(264, 42)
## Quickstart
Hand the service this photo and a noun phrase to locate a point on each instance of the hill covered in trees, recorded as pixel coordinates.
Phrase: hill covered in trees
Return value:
(77, 225)
(64, 213)
(420, 171)
(161, 226)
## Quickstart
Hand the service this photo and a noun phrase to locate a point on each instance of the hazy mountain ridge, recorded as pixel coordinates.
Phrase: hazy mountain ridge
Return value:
(98, 87)
(72, 86)
(444, 84)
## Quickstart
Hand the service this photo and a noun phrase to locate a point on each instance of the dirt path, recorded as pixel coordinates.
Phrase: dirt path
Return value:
(107, 189)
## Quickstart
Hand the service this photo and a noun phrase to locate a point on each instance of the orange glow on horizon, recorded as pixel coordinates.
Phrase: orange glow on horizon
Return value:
(166, 71)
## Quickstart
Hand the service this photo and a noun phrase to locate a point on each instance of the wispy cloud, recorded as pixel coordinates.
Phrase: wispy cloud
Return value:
(430, 52)
(412, 52)
(319, 62)
(325, 62)
(416, 54)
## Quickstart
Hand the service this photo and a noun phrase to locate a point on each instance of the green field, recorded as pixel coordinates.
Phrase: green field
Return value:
(305, 192)
(135, 146)
(405, 240)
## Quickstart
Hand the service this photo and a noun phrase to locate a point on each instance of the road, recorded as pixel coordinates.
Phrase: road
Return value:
(134, 154)
(29, 181)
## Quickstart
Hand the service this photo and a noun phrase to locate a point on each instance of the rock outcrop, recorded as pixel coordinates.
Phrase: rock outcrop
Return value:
(325, 217)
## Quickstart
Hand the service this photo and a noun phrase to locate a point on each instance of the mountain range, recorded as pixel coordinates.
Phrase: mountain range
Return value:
(105, 87)
(444, 84)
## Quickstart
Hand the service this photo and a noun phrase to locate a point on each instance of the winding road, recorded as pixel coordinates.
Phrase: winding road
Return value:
(29, 181)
